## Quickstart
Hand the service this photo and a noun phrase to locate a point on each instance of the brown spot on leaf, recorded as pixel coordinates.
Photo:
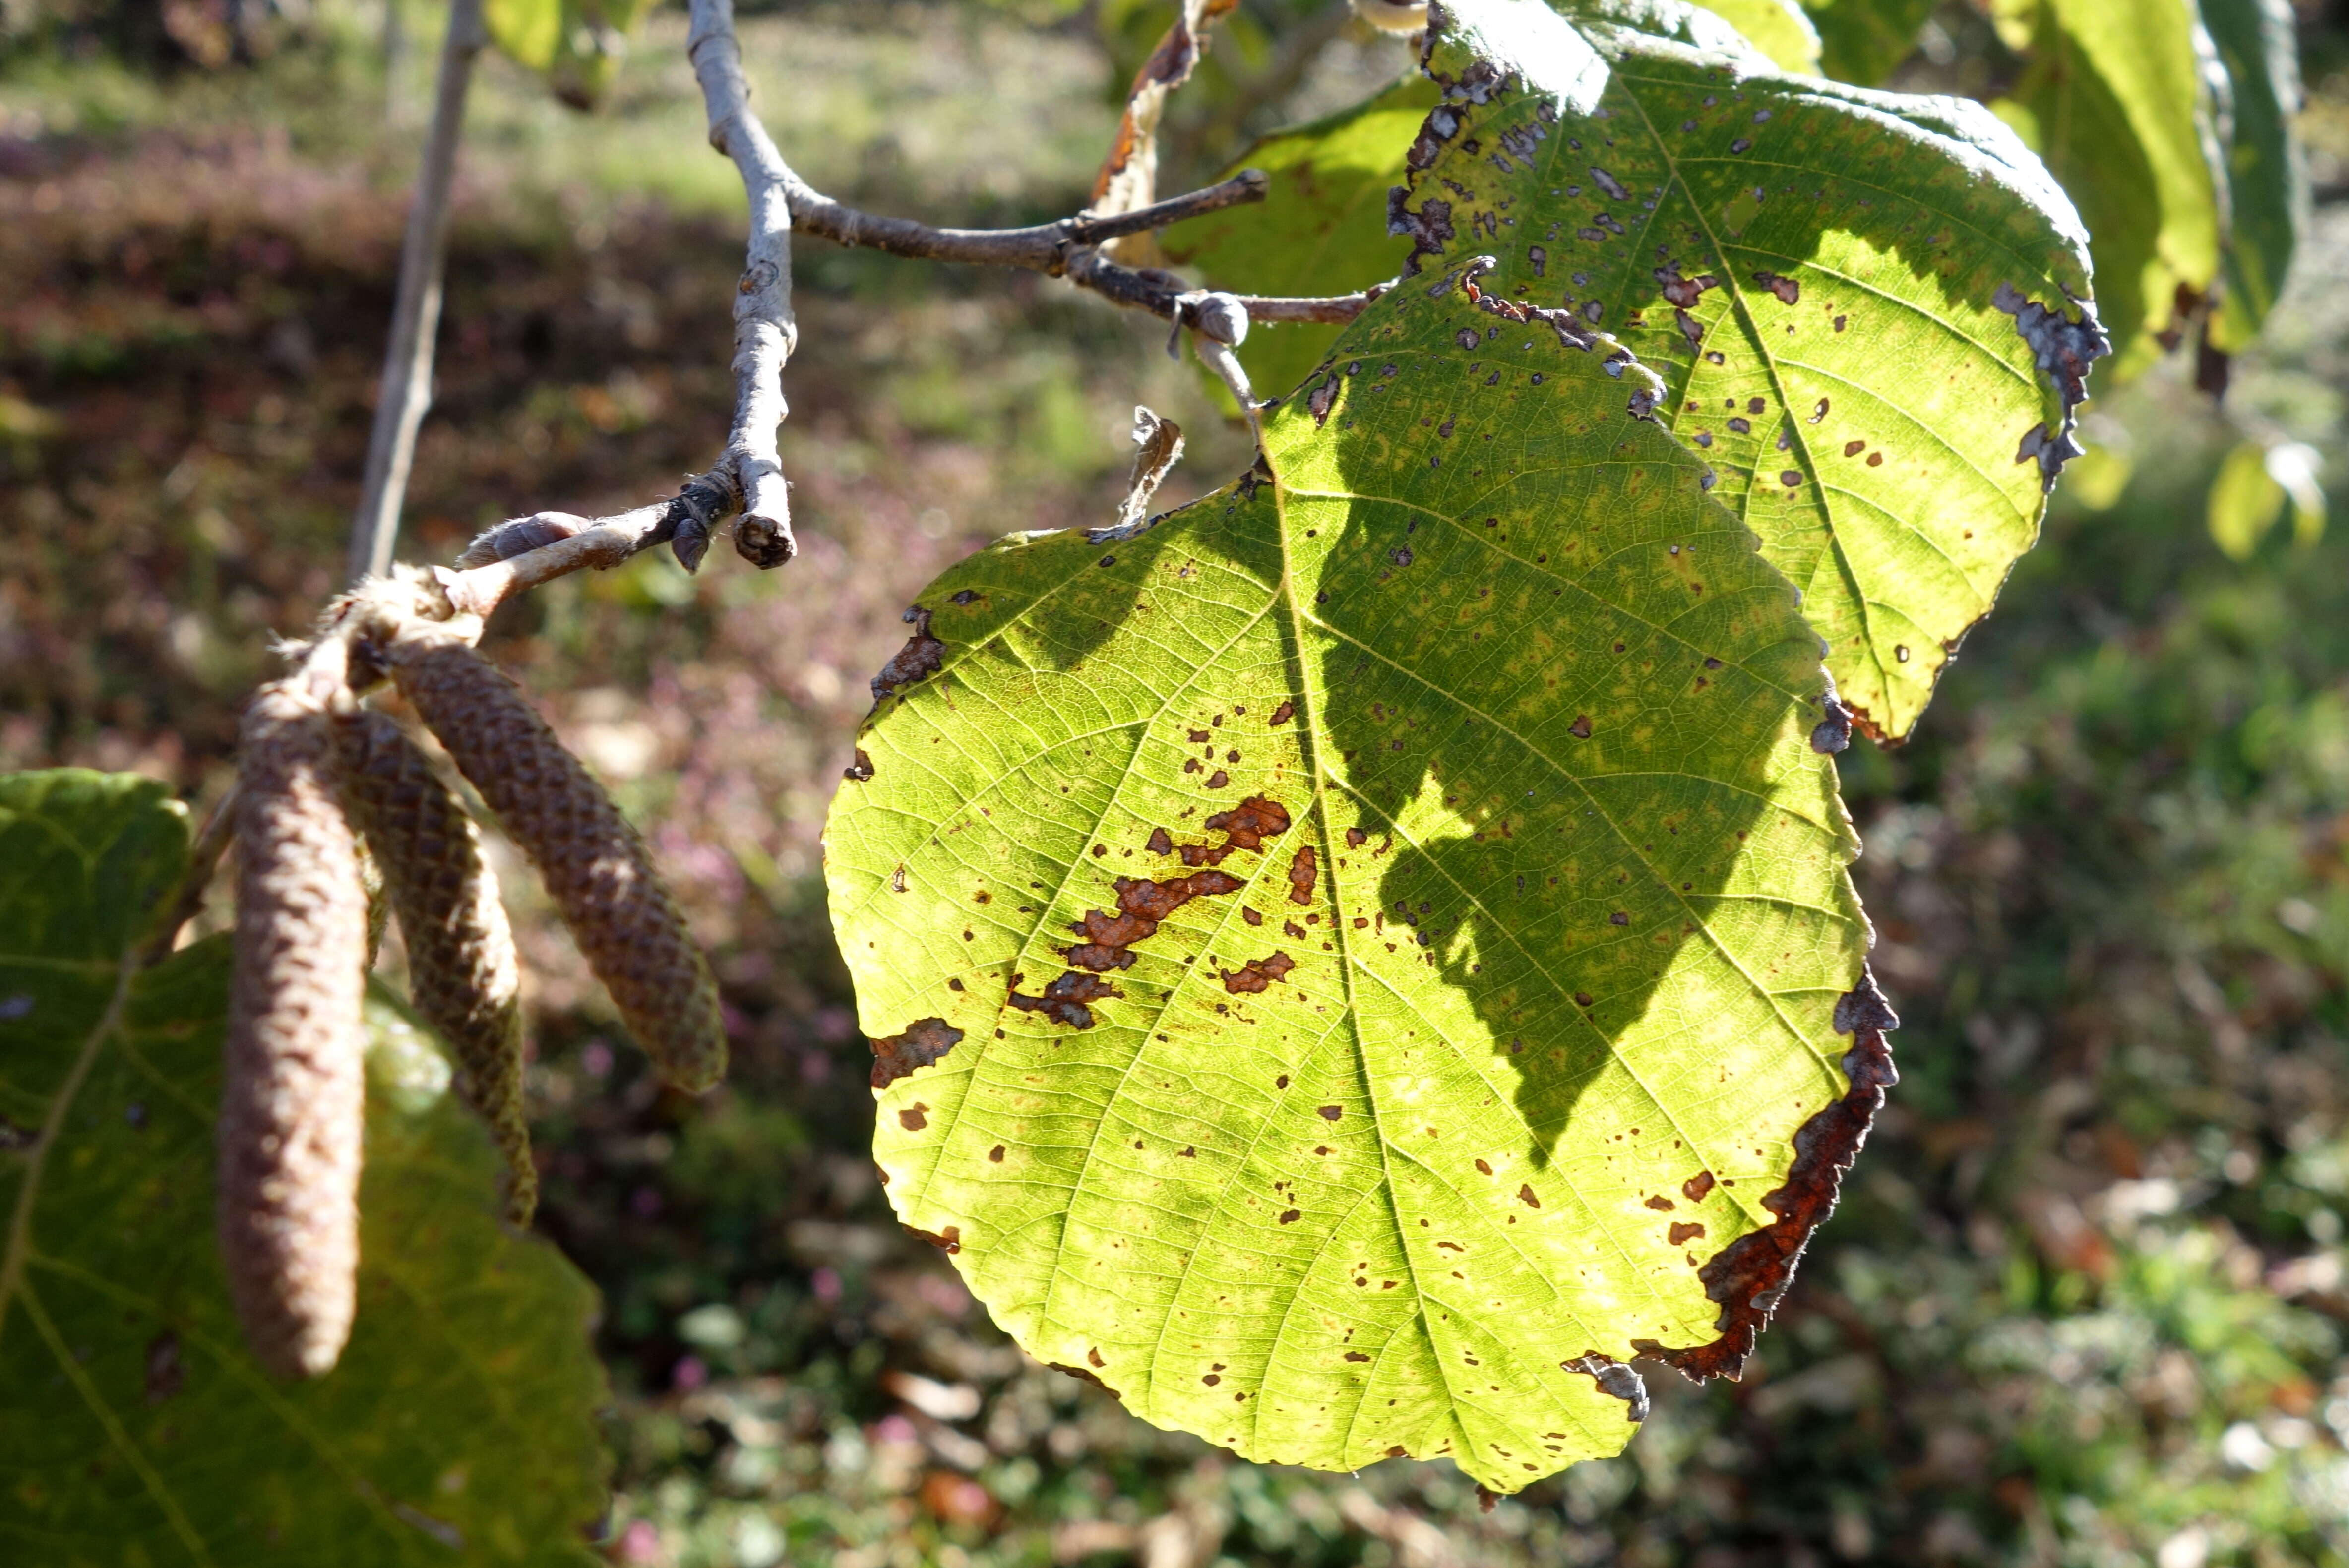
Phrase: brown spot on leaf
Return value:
(918, 660)
(914, 1117)
(923, 1042)
(1526, 1196)
(1356, 1356)
(1065, 1000)
(1750, 1275)
(947, 1241)
(1142, 904)
(1283, 714)
(1258, 974)
(1160, 843)
(1218, 778)
(1082, 1375)
(996, 1154)
(1580, 727)
(1291, 1216)
(1245, 827)
(1788, 291)
(1697, 1186)
(1094, 1356)
(1302, 872)
(165, 1372)
(1331, 1112)
(1660, 1201)
(859, 772)
(1684, 1232)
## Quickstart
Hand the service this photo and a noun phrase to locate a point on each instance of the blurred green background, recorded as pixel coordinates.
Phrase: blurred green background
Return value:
(2085, 1298)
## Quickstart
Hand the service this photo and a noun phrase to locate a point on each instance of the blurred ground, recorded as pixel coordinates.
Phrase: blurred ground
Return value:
(2084, 1303)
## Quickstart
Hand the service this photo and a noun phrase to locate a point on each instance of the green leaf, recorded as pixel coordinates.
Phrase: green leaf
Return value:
(1855, 299)
(2115, 101)
(1322, 230)
(528, 31)
(2267, 176)
(1343, 957)
(1780, 29)
(577, 45)
(2245, 501)
(460, 1425)
(1862, 40)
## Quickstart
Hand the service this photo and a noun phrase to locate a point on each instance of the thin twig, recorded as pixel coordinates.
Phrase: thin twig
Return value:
(554, 544)
(407, 386)
(764, 331)
(1044, 247)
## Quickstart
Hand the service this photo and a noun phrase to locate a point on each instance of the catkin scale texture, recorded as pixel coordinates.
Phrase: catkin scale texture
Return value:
(461, 972)
(293, 1090)
(595, 866)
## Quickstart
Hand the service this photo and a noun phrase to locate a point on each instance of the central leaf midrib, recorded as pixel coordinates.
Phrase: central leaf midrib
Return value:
(1310, 739)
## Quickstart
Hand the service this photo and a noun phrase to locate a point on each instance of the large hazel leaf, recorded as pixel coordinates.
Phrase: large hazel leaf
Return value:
(1868, 310)
(460, 1425)
(1354, 963)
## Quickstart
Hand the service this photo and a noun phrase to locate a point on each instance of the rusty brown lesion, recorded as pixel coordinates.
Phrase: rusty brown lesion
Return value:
(1750, 1277)
(1304, 870)
(1142, 905)
(1069, 999)
(947, 1241)
(923, 1042)
(1245, 827)
(1257, 974)
(919, 659)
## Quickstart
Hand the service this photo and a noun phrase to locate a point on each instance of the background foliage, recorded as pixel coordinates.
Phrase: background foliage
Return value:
(2083, 1301)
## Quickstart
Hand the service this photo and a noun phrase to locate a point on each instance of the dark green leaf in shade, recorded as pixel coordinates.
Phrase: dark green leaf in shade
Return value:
(2267, 173)
(460, 1424)
(1860, 41)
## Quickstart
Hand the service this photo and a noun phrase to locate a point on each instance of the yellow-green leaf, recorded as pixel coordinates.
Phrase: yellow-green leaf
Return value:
(2245, 501)
(1349, 964)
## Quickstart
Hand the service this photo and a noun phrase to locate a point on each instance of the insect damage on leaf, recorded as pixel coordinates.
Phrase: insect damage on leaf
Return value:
(919, 660)
(2065, 347)
(923, 1042)
(1750, 1277)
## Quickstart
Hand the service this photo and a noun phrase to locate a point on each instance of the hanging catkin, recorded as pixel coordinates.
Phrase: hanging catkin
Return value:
(293, 1086)
(460, 956)
(595, 866)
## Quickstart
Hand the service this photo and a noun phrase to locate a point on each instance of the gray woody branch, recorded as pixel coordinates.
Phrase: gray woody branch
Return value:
(748, 478)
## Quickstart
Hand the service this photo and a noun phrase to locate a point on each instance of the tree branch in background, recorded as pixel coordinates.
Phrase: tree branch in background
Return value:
(748, 478)
(407, 387)
(764, 331)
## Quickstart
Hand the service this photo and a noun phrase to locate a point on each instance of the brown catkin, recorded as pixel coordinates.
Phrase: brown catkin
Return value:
(292, 1093)
(595, 866)
(461, 973)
